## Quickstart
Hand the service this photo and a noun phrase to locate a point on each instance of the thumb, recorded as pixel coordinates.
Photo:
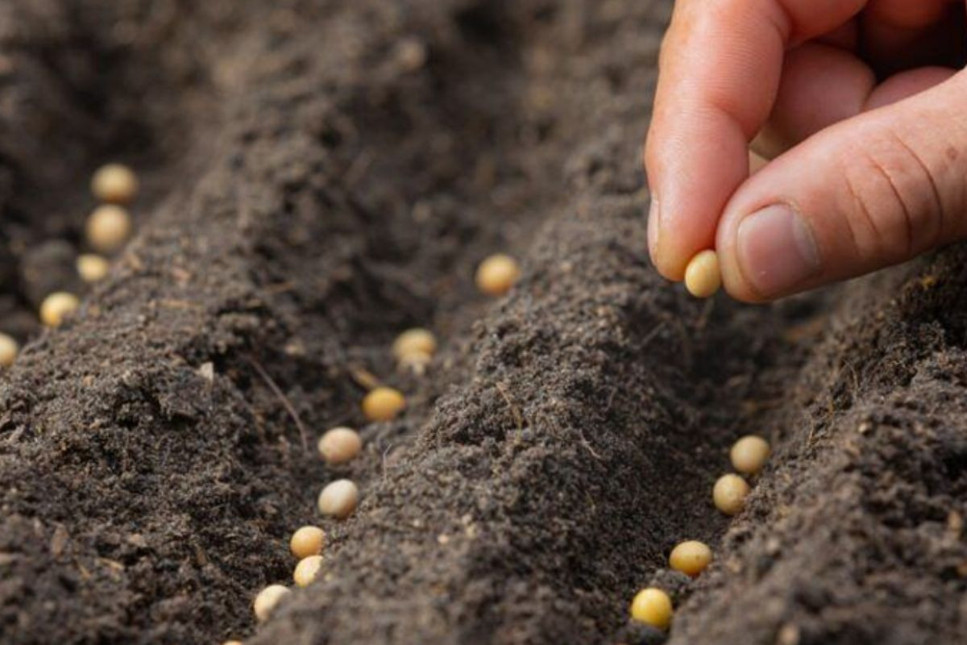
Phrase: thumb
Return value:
(868, 192)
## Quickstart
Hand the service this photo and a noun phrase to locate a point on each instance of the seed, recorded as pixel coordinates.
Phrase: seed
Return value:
(414, 341)
(267, 600)
(417, 362)
(58, 306)
(653, 607)
(307, 570)
(339, 499)
(729, 494)
(383, 404)
(702, 276)
(690, 557)
(232, 643)
(92, 268)
(749, 454)
(339, 445)
(9, 348)
(115, 184)
(108, 228)
(308, 540)
(497, 274)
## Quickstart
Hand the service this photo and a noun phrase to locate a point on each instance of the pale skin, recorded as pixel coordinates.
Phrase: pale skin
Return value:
(861, 107)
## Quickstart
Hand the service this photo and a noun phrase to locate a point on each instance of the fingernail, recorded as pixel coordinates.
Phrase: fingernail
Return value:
(653, 228)
(776, 250)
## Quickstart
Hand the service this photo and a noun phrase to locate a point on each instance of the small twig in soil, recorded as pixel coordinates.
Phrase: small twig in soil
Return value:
(364, 378)
(285, 402)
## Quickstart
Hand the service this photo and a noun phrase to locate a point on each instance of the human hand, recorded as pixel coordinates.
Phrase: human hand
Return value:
(860, 104)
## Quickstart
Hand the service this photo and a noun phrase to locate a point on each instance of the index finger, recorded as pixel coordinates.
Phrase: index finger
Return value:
(718, 77)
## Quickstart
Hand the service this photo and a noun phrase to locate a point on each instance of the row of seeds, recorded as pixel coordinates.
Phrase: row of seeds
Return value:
(107, 230)
(653, 606)
(413, 351)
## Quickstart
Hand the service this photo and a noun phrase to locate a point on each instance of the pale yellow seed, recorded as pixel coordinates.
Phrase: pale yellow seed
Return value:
(115, 184)
(383, 404)
(653, 607)
(307, 570)
(729, 494)
(749, 454)
(339, 445)
(92, 268)
(339, 499)
(497, 274)
(108, 228)
(9, 348)
(690, 557)
(703, 276)
(267, 600)
(57, 306)
(414, 341)
(306, 541)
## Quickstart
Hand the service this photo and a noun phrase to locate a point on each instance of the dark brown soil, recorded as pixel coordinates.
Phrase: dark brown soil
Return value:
(320, 175)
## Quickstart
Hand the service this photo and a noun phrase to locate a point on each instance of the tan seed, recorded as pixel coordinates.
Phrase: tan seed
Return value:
(115, 184)
(92, 268)
(497, 274)
(339, 445)
(653, 607)
(307, 570)
(383, 404)
(108, 228)
(703, 276)
(9, 348)
(690, 557)
(339, 499)
(414, 341)
(306, 541)
(267, 600)
(749, 454)
(57, 306)
(729, 494)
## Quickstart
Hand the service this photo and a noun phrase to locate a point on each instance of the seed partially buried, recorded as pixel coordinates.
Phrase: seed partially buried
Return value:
(416, 340)
(703, 277)
(307, 570)
(690, 557)
(749, 454)
(9, 348)
(339, 499)
(653, 607)
(267, 600)
(114, 183)
(306, 541)
(57, 306)
(92, 268)
(729, 494)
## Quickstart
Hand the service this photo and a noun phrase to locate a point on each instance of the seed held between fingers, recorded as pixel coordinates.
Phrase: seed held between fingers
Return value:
(339, 499)
(339, 445)
(749, 454)
(653, 607)
(57, 306)
(729, 494)
(306, 541)
(690, 557)
(703, 277)
(267, 600)
(307, 570)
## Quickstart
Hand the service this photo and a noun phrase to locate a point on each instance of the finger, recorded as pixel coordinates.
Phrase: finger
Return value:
(906, 84)
(820, 85)
(872, 191)
(719, 72)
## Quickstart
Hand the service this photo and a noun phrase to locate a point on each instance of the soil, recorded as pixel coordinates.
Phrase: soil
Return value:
(320, 175)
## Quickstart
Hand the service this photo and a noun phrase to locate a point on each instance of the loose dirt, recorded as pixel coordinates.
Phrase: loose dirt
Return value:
(320, 176)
